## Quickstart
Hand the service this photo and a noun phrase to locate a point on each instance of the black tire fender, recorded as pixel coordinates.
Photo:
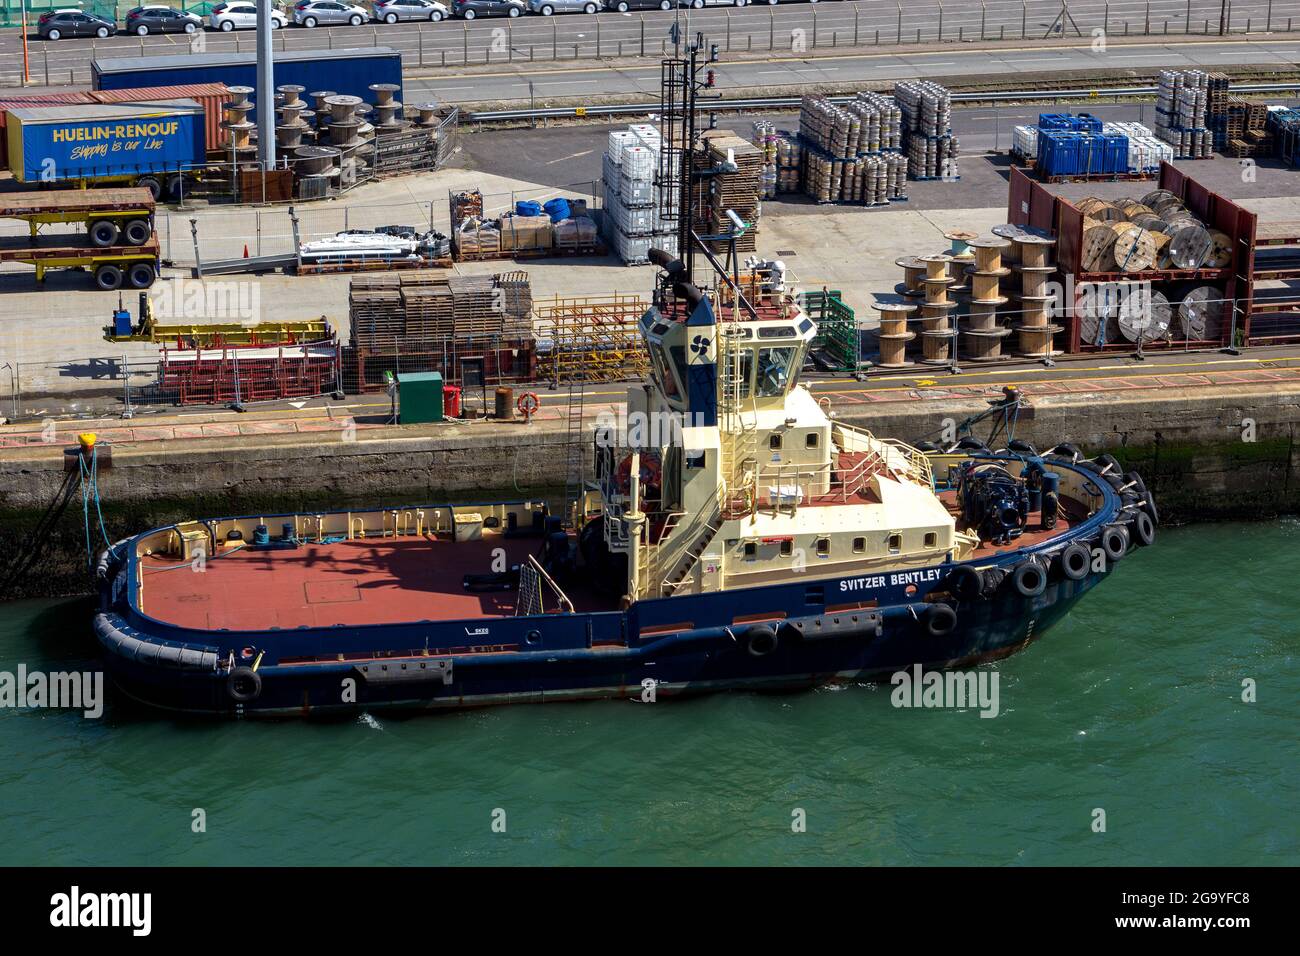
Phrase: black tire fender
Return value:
(1150, 504)
(1029, 578)
(244, 684)
(966, 583)
(1074, 561)
(1114, 542)
(761, 640)
(940, 620)
(1144, 529)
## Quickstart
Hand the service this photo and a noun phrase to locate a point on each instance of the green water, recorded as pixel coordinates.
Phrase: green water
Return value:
(1133, 705)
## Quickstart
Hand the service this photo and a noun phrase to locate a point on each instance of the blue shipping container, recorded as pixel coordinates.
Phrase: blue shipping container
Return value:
(349, 71)
(100, 140)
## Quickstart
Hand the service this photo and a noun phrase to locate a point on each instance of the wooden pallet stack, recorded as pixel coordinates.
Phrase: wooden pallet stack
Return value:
(418, 308)
(739, 192)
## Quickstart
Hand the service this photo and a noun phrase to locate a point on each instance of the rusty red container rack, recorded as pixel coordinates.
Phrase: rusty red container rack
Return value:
(471, 362)
(218, 376)
(1273, 312)
(1030, 203)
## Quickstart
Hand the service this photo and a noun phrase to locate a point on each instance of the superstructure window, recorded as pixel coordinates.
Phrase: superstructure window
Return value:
(859, 545)
(823, 546)
(895, 543)
(810, 441)
(774, 442)
(931, 539)
(774, 371)
(787, 548)
(751, 549)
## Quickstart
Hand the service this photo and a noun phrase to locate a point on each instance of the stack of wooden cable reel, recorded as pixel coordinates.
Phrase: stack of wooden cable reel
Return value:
(894, 334)
(1032, 255)
(1157, 233)
(982, 336)
(936, 311)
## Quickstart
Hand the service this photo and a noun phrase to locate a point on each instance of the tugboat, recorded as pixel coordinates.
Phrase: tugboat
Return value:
(734, 535)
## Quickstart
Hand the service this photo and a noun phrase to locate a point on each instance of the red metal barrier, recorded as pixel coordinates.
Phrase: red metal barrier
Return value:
(220, 376)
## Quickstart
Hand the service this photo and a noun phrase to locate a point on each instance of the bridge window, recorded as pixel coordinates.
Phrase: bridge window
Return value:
(774, 367)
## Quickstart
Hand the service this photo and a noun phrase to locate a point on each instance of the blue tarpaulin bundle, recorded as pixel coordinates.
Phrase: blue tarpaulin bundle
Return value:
(557, 209)
(528, 207)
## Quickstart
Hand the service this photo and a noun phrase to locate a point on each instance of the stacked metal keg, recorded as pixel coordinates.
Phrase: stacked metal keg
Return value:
(927, 129)
(1182, 97)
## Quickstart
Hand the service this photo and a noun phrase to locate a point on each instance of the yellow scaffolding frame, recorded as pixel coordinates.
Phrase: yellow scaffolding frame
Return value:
(593, 338)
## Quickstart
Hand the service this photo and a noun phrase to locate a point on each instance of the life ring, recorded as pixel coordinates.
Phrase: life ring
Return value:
(1144, 529)
(760, 640)
(244, 684)
(528, 403)
(1075, 560)
(940, 620)
(966, 583)
(1114, 541)
(1029, 578)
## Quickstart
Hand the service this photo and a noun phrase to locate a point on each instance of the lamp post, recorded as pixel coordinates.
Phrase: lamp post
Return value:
(27, 75)
(265, 89)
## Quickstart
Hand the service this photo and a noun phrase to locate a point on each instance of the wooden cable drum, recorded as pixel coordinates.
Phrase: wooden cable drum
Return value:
(1144, 316)
(1200, 312)
(1134, 250)
(1161, 240)
(1098, 243)
(1174, 213)
(893, 334)
(1149, 221)
(1190, 246)
(1132, 208)
(1156, 195)
(913, 271)
(1089, 203)
(1106, 211)
(1220, 250)
(1098, 325)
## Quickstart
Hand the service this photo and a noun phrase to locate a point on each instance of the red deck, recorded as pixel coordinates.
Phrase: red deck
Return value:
(375, 581)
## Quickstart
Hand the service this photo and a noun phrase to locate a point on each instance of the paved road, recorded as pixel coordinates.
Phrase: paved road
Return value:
(758, 28)
(850, 69)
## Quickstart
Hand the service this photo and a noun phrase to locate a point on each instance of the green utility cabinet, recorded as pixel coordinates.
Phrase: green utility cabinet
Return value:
(419, 397)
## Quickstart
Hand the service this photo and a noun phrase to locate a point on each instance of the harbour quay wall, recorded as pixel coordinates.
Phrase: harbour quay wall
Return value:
(1206, 453)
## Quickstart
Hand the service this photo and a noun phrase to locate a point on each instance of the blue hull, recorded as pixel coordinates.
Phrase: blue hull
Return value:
(807, 633)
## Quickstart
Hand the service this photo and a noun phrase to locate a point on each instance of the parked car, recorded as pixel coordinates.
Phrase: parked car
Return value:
(469, 9)
(145, 20)
(623, 6)
(241, 16)
(73, 23)
(390, 11)
(548, 7)
(311, 13)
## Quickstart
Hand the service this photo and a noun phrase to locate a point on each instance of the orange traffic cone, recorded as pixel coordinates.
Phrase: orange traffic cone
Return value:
(245, 250)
